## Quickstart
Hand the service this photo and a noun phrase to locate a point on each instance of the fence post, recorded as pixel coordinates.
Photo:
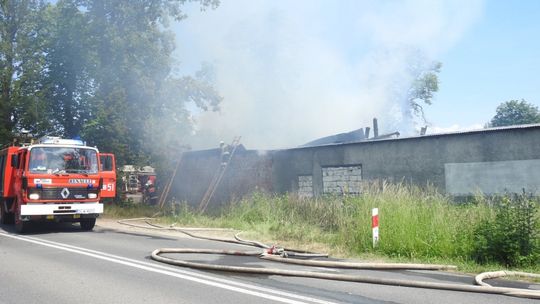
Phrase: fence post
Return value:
(375, 225)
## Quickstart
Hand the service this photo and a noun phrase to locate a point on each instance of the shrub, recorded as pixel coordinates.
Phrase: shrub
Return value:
(510, 235)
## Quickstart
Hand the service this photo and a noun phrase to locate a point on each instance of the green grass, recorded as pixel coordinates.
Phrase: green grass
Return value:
(123, 211)
(415, 225)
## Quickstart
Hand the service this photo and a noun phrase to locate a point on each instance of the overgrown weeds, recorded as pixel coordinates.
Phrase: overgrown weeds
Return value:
(415, 224)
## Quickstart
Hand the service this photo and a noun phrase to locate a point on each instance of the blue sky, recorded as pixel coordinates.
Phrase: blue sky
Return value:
(497, 59)
(292, 71)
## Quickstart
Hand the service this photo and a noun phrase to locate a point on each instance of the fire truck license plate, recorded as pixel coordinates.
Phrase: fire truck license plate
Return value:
(76, 216)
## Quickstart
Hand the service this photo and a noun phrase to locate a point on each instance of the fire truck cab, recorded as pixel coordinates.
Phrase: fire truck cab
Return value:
(54, 179)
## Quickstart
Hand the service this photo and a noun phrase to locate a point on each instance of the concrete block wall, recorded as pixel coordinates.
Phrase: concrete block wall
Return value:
(305, 186)
(342, 180)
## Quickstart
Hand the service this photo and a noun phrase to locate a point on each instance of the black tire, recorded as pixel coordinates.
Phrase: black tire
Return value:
(88, 224)
(6, 217)
(10, 218)
(21, 227)
(3, 214)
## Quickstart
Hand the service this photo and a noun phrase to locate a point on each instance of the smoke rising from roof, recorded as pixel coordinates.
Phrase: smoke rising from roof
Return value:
(293, 71)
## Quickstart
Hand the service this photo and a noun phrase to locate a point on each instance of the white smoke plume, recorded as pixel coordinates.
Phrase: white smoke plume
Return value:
(293, 71)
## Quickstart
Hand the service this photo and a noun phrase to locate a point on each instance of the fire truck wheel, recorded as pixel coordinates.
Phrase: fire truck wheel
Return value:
(88, 224)
(21, 226)
(2, 214)
(6, 217)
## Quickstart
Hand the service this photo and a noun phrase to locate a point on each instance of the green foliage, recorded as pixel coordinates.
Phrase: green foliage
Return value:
(21, 67)
(511, 235)
(515, 112)
(102, 69)
(169, 124)
(134, 79)
(424, 86)
(69, 64)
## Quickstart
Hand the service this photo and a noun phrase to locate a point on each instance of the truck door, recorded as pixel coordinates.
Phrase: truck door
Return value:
(108, 173)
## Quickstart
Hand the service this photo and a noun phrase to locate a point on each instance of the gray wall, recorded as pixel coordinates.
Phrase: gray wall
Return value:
(491, 161)
(248, 170)
(421, 160)
(493, 177)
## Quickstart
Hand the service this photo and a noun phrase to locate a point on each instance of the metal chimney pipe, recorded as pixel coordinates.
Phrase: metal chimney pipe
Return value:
(367, 132)
(375, 128)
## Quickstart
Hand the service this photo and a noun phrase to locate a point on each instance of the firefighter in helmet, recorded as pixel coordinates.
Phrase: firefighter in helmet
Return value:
(38, 159)
(150, 194)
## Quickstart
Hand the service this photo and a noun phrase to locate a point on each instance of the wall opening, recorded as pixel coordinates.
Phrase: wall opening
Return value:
(305, 186)
(342, 180)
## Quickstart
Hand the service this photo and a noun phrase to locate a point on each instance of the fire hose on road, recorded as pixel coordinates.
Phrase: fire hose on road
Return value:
(283, 255)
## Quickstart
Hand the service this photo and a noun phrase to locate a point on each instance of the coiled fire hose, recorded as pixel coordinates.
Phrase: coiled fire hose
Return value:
(272, 253)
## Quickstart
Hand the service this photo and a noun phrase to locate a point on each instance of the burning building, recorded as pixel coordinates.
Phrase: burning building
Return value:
(490, 161)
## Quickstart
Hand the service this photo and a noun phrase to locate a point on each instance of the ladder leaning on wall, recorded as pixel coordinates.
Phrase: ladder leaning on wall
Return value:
(226, 157)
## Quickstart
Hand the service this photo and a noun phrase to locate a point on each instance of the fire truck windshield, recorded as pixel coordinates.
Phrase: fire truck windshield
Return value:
(61, 160)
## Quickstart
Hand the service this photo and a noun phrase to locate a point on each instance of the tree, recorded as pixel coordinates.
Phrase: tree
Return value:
(424, 86)
(102, 69)
(515, 112)
(170, 123)
(21, 68)
(69, 67)
(138, 99)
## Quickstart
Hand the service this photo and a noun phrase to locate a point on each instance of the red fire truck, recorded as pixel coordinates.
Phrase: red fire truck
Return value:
(54, 179)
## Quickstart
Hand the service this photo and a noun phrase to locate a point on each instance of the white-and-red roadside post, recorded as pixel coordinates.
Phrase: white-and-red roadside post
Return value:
(375, 225)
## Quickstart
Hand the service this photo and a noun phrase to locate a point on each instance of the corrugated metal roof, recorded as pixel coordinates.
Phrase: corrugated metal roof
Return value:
(486, 130)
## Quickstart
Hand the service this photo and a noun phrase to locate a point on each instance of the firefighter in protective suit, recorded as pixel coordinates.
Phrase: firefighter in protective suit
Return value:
(149, 195)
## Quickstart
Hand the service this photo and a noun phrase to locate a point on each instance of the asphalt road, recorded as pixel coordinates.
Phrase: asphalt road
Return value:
(61, 264)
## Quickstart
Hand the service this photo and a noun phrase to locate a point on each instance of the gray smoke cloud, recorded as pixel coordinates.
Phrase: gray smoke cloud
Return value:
(293, 71)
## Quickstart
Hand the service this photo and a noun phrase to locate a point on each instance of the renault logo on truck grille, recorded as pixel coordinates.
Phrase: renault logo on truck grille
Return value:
(64, 193)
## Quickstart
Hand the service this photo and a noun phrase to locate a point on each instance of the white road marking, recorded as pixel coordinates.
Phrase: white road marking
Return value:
(178, 273)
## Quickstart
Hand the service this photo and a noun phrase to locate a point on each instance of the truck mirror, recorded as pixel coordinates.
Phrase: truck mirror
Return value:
(14, 160)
